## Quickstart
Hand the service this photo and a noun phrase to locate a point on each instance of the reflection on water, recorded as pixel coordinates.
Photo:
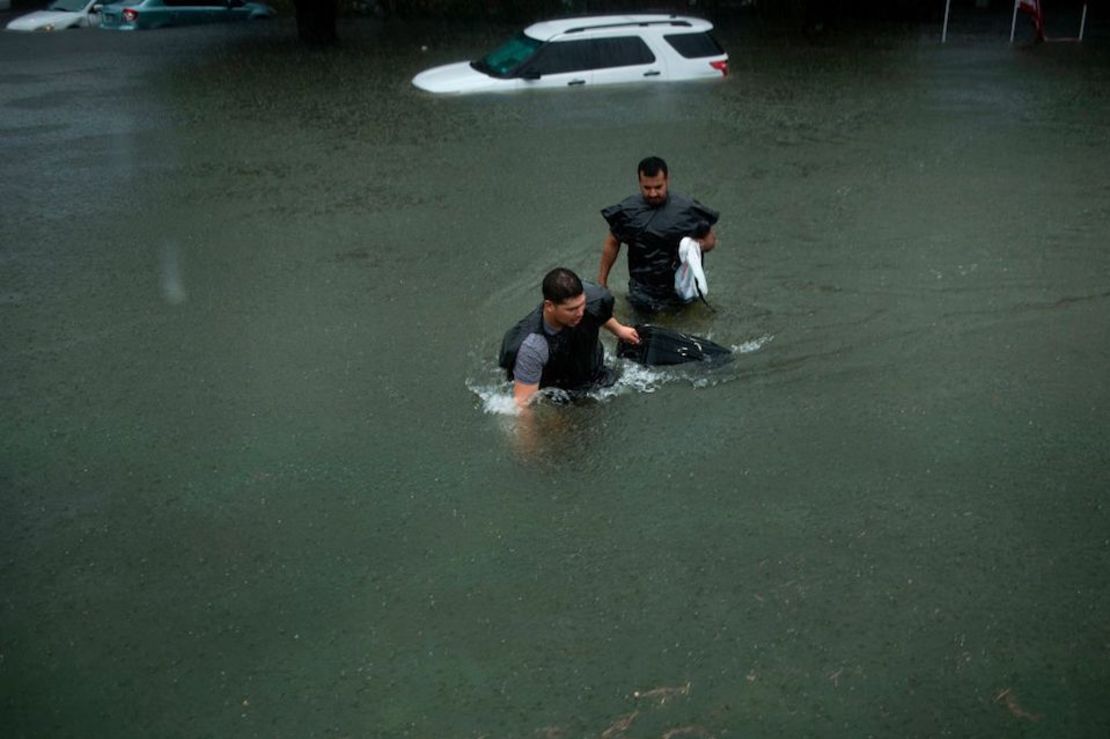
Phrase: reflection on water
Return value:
(259, 469)
(173, 286)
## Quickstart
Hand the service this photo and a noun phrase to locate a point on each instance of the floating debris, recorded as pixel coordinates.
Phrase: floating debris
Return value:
(692, 730)
(662, 694)
(1007, 696)
(620, 725)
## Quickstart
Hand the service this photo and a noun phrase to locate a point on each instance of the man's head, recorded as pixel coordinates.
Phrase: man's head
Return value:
(564, 298)
(652, 174)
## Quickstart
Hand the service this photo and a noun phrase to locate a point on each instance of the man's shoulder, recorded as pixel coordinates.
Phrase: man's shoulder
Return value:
(535, 343)
(531, 358)
(632, 203)
(681, 202)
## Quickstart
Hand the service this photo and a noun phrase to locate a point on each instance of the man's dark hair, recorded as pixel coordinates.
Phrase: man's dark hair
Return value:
(651, 166)
(561, 284)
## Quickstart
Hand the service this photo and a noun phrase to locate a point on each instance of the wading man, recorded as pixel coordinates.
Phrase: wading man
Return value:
(557, 345)
(652, 223)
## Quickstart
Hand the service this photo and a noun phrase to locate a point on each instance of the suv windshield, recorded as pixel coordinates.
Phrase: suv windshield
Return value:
(508, 56)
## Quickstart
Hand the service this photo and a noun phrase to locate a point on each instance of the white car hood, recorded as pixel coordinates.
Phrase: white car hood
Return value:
(458, 77)
(34, 21)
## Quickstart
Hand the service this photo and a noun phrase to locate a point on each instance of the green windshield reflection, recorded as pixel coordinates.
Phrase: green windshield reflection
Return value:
(508, 56)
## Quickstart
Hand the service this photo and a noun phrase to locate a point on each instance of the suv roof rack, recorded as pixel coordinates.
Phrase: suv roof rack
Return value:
(673, 21)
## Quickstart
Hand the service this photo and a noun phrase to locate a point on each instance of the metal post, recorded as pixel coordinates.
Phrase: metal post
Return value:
(1083, 21)
(947, 6)
(1013, 23)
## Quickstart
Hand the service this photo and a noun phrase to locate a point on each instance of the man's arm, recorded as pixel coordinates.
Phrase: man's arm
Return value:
(523, 392)
(708, 241)
(609, 251)
(622, 332)
(528, 369)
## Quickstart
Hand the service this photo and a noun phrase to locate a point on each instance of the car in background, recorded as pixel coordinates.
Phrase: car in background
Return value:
(595, 50)
(130, 16)
(59, 15)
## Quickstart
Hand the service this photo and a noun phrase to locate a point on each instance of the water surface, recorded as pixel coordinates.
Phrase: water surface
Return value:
(256, 478)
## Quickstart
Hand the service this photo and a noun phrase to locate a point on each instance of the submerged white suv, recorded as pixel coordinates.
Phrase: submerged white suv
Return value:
(596, 50)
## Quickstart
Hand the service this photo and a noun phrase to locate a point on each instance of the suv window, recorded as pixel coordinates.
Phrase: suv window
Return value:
(579, 56)
(694, 45)
(562, 56)
(625, 51)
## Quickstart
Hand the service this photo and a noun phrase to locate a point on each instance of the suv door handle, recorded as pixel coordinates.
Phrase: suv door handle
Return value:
(652, 73)
(576, 82)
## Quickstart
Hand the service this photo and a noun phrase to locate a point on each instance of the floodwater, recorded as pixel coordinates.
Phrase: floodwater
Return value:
(257, 474)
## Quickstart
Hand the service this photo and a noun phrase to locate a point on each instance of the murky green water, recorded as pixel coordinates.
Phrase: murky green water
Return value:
(254, 478)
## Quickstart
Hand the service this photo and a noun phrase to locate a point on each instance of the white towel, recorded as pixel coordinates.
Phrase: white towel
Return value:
(689, 278)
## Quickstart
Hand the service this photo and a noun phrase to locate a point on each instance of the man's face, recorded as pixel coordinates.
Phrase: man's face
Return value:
(654, 189)
(567, 313)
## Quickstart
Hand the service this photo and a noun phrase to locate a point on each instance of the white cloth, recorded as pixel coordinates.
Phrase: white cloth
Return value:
(689, 278)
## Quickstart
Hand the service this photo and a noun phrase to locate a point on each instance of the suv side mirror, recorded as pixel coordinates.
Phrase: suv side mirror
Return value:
(95, 9)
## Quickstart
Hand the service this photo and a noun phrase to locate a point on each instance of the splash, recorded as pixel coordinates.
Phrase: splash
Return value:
(496, 400)
(496, 395)
(634, 378)
(753, 345)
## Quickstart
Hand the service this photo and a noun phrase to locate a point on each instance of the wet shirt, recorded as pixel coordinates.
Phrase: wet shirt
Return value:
(532, 357)
(653, 234)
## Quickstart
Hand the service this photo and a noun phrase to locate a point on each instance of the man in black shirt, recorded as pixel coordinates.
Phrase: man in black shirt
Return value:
(652, 223)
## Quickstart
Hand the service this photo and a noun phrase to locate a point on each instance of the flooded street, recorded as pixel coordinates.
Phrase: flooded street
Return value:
(258, 479)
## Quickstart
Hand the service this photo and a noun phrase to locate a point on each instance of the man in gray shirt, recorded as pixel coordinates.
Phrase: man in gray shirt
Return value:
(557, 345)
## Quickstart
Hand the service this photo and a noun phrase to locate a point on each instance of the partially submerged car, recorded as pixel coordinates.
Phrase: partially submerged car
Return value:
(58, 16)
(596, 50)
(130, 16)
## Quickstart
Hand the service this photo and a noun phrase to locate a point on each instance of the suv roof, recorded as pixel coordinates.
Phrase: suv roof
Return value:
(603, 24)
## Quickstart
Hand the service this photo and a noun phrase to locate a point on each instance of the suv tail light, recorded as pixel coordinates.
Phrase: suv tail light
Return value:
(721, 67)
(130, 14)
